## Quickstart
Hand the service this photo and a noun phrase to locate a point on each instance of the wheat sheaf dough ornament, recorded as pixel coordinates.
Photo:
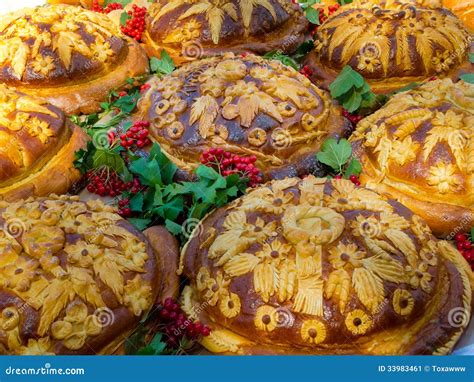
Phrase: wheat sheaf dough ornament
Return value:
(69, 55)
(246, 105)
(320, 266)
(419, 148)
(75, 277)
(391, 44)
(189, 29)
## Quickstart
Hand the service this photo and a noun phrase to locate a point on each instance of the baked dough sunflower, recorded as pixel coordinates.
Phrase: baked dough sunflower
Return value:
(37, 147)
(318, 266)
(75, 277)
(419, 149)
(190, 29)
(71, 56)
(246, 105)
(391, 44)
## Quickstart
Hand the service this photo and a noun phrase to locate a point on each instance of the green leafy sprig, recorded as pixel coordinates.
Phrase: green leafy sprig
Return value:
(311, 13)
(168, 202)
(283, 58)
(163, 65)
(338, 156)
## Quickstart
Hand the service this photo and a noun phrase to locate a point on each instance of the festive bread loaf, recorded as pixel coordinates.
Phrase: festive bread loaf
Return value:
(69, 55)
(391, 44)
(246, 105)
(37, 147)
(190, 29)
(419, 149)
(76, 278)
(318, 266)
(464, 9)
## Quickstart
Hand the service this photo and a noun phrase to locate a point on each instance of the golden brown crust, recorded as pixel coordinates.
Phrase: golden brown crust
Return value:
(189, 30)
(67, 54)
(419, 149)
(166, 248)
(391, 44)
(316, 266)
(74, 277)
(246, 105)
(38, 147)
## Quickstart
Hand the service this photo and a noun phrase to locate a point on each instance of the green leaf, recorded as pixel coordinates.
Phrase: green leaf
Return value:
(162, 66)
(174, 228)
(468, 77)
(168, 169)
(147, 170)
(139, 223)
(308, 3)
(344, 2)
(110, 159)
(136, 202)
(283, 58)
(206, 172)
(157, 344)
(122, 2)
(471, 58)
(312, 15)
(472, 234)
(353, 168)
(352, 101)
(124, 17)
(345, 81)
(335, 154)
(303, 50)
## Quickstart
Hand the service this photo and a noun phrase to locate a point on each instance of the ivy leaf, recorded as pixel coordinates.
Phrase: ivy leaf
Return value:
(345, 81)
(353, 168)
(174, 228)
(283, 58)
(308, 3)
(136, 202)
(468, 77)
(335, 154)
(162, 66)
(148, 170)
(168, 168)
(312, 15)
(157, 344)
(124, 16)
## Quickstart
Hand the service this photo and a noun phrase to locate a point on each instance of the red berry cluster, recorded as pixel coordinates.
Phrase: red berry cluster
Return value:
(105, 182)
(228, 163)
(177, 326)
(96, 7)
(323, 17)
(136, 136)
(466, 247)
(353, 118)
(306, 71)
(144, 88)
(135, 25)
(353, 178)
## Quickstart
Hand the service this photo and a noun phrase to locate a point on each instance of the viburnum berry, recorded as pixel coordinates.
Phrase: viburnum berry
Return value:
(144, 88)
(354, 179)
(353, 118)
(96, 7)
(136, 136)
(306, 71)
(176, 326)
(135, 25)
(465, 245)
(228, 163)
